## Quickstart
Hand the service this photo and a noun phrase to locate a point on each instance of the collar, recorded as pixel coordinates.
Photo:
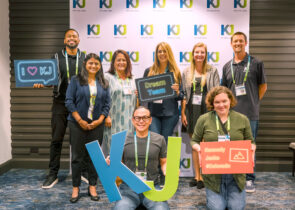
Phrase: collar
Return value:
(245, 60)
(73, 56)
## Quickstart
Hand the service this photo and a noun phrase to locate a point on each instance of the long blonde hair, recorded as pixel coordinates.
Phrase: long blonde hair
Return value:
(205, 66)
(155, 69)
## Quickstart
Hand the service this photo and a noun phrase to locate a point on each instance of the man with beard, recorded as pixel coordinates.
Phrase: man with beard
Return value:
(69, 61)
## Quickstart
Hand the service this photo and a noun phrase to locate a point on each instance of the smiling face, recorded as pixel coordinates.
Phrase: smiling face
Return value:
(92, 66)
(238, 43)
(71, 39)
(221, 104)
(120, 63)
(199, 54)
(162, 55)
(141, 120)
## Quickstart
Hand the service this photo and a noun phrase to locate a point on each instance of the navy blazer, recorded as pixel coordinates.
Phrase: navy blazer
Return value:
(78, 99)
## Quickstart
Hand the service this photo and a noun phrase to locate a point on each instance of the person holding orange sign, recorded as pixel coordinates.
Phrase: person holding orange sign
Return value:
(222, 124)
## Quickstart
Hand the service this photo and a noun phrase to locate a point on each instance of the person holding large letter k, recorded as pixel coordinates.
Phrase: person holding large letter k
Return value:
(69, 61)
(144, 150)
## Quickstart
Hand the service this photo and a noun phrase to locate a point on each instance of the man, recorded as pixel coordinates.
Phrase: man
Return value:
(143, 152)
(69, 61)
(245, 76)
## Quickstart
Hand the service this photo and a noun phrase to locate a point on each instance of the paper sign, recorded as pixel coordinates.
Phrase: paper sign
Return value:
(29, 72)
(155, 87)
(230, 157)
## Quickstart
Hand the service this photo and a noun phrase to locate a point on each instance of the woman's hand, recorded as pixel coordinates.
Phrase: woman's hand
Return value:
(83, 124)
(197, 148)
(94, 124)
(136, 93)
(183, 119)
(37, 85)
(175, 87)
(108, 160)
(108, 122)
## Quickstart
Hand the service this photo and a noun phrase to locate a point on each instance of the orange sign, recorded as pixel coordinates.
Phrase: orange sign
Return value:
(230, 157)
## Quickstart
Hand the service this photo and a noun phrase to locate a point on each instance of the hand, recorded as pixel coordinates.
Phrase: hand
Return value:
(108, 122)
(136, 93)
(108, 160)
(183, 119)
(175, 87)
(83, 124)
(253, 149)
(37, 85)
(197, 148)
(94, 124)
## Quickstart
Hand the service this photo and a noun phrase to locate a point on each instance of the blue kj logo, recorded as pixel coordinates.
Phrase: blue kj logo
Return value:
(238, 3)
(185, 57)
(79, 3)
(213, 3)
(200, 30)
(186, 3)
(173, 29)
(130, 3)
(213, 57)
(105, 3)
(157, 3)
(134, 56)
(93, 29)
(227, 30)
(146, 30)
(106, 56)
(120, 29)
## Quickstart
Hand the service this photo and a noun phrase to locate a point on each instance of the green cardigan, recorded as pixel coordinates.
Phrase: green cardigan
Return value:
(206, 130)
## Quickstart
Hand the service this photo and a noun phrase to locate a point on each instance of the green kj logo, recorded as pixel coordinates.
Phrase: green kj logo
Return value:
(157, 3)
(120, 29)
(173, 29)
(185, 163)
(186, 3)
(213, 57)
(93, 29)
(105, 3)
(130, 3)
(238, 3)
(134, 56)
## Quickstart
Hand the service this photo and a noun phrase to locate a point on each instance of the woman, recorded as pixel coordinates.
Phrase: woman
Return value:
(122, 90)
(165, 113)
(88, 101)
(198, 79)
(222, 124)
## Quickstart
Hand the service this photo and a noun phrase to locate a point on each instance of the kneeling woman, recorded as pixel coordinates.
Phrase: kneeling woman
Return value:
(222, 123)
(88, 101)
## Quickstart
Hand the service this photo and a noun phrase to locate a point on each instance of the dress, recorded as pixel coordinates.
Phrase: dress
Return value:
(122, 108)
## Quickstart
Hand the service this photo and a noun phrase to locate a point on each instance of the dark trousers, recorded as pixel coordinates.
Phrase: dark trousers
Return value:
(58, 130)
(79, 138)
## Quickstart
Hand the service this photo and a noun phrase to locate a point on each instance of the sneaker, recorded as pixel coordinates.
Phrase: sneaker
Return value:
(84, 177)
(250, 186)
(50, 181)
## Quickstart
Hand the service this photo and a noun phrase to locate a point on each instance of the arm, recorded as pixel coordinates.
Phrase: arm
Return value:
(183, 116)
(262, 90)
(163, 163)
(216, 78)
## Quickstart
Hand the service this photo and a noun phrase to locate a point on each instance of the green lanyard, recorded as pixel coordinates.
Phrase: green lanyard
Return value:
(120, 80)
(67, 64)
(194, 85)
(232, 71)
(146, 153)
(93, 95)
(217, 123)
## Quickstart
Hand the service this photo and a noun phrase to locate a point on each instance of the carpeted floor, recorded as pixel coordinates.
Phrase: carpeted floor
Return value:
(21, 189)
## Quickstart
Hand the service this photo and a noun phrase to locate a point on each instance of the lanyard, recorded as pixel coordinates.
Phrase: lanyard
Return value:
(232, 71)
(146, 153)
(93, 94)
(120, 80)
(67, 64)
(217, 123)
(194, 85)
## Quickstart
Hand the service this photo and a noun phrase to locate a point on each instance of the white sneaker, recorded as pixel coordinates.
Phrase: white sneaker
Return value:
(249, 186)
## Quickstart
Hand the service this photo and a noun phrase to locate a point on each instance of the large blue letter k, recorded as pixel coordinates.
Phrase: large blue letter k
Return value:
(108, 173)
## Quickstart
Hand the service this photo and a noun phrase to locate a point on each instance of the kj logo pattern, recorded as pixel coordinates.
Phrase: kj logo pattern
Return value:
(105, 4)
(132, 3)
(185, 57)
(93, 29)
(237, 3)
(120, 29)
(146, 30)
(159, 3)
(173, 30)
(213, 3)
(106, 56)
(227, 29)
(134, 56)
(186, 3)
(200, 30)
(79, 3)
(213, 57)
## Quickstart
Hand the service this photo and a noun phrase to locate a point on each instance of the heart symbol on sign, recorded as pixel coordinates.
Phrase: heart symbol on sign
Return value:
(32, 70)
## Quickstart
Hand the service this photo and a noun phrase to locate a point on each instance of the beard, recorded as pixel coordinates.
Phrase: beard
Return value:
(72, 46)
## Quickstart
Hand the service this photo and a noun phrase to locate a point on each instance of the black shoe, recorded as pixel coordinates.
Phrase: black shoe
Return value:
(75, 199)
(94, 198)
(50, 181)
(200, 184)
(193, 183)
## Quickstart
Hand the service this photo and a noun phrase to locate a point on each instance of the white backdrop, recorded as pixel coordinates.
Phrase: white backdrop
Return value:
(137, 26)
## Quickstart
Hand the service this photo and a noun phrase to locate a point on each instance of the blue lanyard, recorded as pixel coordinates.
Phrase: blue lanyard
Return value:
(146, 153)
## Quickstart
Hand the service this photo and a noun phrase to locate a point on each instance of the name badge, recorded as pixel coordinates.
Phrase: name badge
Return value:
(197, 99)
(158, 101)
(240, 90)
(141, 175)
(127, 90)
(222, 138)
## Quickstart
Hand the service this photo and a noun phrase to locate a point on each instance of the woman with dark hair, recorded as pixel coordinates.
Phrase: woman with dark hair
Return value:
(197, 79)
(122, 91)
(222, 124)
(88, 101)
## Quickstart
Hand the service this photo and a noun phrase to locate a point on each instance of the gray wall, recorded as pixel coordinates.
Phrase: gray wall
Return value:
(36, 31)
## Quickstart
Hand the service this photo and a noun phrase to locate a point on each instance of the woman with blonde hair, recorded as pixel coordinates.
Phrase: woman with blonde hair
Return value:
(198, 79)
(165, 112)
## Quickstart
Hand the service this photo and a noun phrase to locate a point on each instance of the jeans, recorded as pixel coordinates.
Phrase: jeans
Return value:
(164, 125)
(254, 129)
(229, 197)
(131, 200)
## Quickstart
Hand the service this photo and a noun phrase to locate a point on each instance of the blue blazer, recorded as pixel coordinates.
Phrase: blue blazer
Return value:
(78, 99)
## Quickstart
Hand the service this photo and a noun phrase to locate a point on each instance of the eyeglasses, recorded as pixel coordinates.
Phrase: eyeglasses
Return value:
(143, 118)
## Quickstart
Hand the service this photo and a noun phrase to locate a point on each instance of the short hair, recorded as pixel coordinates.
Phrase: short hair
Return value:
(216, 91)
(141, 107)
(128, 70)
(238, 33)
(71, 29)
